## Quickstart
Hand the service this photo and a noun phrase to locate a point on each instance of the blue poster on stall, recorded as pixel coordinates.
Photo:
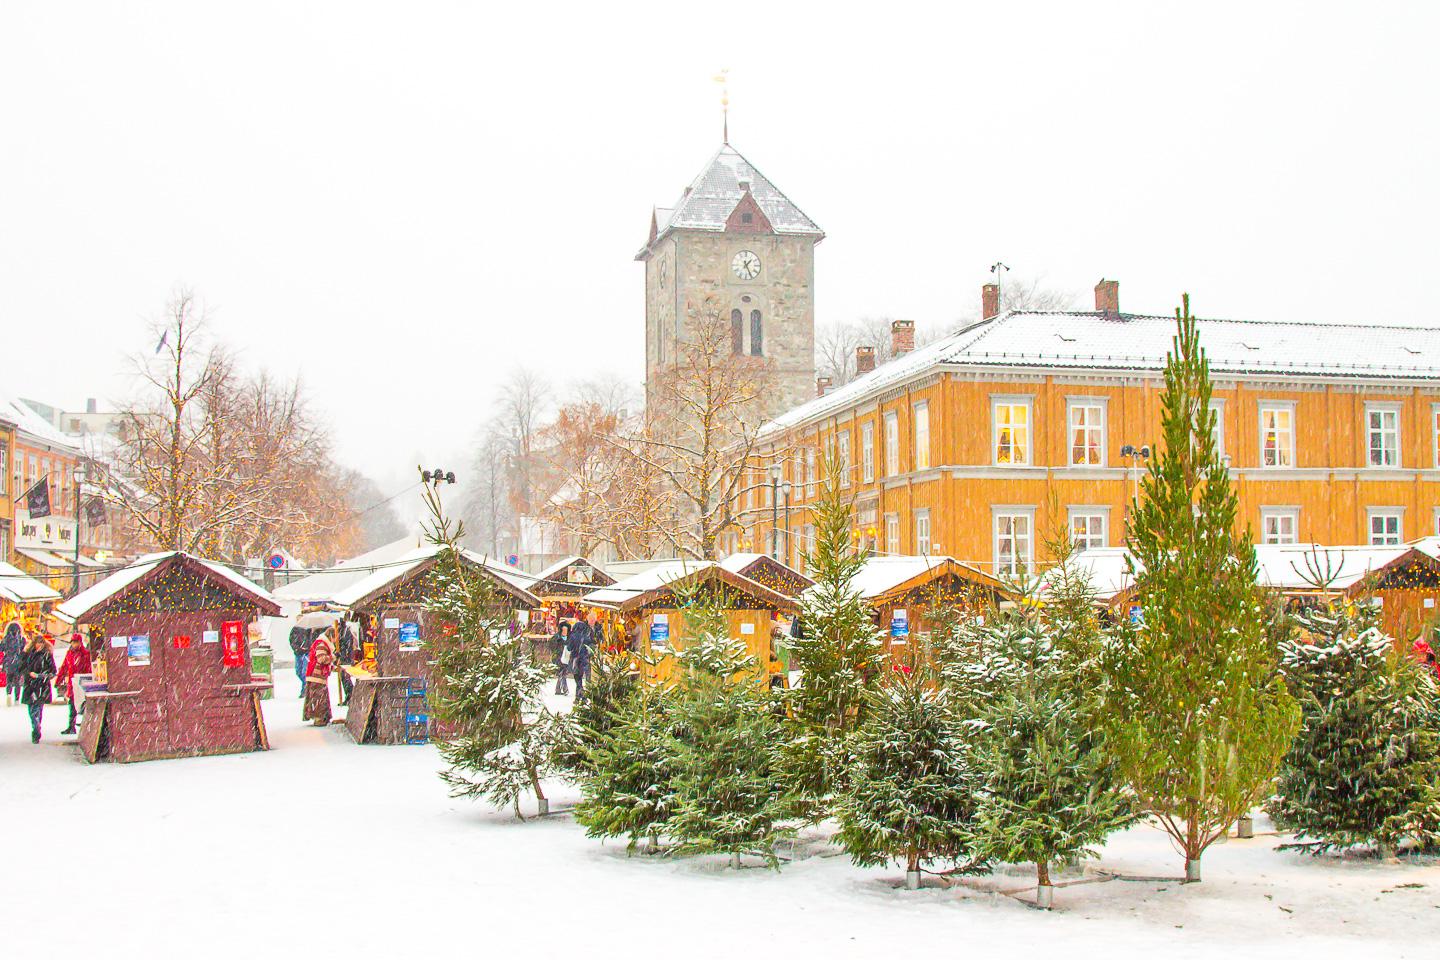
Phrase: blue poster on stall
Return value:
(660, 630)
(899, 625)
(409, 635)
(137, 651)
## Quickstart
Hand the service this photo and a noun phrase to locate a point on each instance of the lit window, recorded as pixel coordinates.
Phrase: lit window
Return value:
(1012, 432)
(1382, 431)
(1087, 433)
(892, 534)
(843, 455)
(1088, 527)
(867, 452)
(810, 472)
(1279, 525)
(922, 436)
(1219, 407)
(892, 444)
(1277, 435)
(1013, 540)
(922, 532)
(1386, 527)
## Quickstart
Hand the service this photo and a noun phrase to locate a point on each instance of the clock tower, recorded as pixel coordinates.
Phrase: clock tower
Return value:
(735, 247)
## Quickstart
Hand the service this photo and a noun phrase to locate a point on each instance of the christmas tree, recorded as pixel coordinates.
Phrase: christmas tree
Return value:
(630, 789)
(728, 797)
(488, 690)
(609, 689)
(839, 654)
(1050, 788)
(1365, 769)
(1198, 713)
(911, 795)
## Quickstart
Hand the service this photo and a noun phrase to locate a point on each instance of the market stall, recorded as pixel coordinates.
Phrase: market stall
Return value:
(647, 606)
(560, 587)
(389, 700)
(173, 678)
(906, 594)
(23, 598)
(768, 572)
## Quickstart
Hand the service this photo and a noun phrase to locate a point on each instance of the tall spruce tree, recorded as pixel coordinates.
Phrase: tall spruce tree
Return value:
(487, 689)
(839, 655)
(1050, 787)
(1198, 713)
(630, 789)
(912, 791)
(728, 794)
(1365, 769)
(609, 692)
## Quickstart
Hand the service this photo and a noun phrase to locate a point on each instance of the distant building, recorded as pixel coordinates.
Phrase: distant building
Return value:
(979, 444)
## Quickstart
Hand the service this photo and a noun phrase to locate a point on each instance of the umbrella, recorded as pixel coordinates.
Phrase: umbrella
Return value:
(318, 619)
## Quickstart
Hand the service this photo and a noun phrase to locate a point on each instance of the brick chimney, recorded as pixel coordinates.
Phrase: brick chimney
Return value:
(822, 386)
(989, 301)
(1107, 297)
(902, 337)
(864, 360)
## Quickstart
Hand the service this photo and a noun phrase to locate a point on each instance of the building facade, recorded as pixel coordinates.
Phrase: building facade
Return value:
(982, 444)
(735, 249)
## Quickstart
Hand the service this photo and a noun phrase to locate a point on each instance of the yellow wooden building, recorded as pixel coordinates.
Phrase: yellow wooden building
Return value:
(962, 447)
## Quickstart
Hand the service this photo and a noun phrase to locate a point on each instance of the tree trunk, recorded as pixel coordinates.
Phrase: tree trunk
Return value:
(735, 859)
(1192, 870)
(912, 870)
(1244, 828)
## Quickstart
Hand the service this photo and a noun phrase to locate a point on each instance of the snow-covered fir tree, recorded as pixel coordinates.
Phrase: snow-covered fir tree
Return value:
(912, 791)
(609, 691)
(839, 655)
(1198, 713)
(1050, 787)
(728, 793)
(630, 788)
(488, 691)
(1365, 769)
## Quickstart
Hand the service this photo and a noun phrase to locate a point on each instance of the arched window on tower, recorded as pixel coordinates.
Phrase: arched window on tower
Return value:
(757, 335)
(737, 332)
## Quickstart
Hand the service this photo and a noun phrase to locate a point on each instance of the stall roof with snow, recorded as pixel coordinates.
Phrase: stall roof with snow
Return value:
(568, 579)
(657, 588)
(888, 580)
(19, 587)
(420, 561)
(321, 585)
(91, 604)
(767, 571)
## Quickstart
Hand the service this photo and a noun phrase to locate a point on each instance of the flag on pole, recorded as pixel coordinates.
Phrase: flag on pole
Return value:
(95, 512)
(37, 498)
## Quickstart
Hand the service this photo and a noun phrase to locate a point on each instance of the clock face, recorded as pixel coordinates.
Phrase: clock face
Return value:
(745, 265)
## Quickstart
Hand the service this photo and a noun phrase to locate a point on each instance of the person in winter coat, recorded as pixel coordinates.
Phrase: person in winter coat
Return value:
(77, 662)
(301, 640)
(561, 661)
(1423, 652)
(583, 638)
(37, 667)
(319, 662)
(10, 649)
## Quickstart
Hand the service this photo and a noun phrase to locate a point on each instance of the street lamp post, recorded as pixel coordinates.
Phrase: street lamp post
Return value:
(775, 471)
(79, 480)
(789, 553)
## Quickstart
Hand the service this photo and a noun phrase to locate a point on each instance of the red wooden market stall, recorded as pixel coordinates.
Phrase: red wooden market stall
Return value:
(174, 678)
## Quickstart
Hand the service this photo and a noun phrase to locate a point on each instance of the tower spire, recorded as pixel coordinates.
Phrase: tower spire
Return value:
(722, 78)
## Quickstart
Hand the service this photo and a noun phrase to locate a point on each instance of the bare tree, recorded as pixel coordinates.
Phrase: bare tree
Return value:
(835, 345)
(488, 513)
(1021, 293)
(525, 402)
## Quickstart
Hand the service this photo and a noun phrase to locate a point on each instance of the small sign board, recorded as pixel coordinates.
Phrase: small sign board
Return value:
(747, 628)
(210, 636)
(137, 651)
(899, 625)
(410, 635)
(660, 631)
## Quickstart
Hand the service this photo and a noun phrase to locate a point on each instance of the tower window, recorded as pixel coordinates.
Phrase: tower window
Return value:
(747, 218)
(737, 332)
(757, 335)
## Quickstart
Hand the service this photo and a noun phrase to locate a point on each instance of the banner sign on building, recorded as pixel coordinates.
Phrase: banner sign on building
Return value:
(37, 499)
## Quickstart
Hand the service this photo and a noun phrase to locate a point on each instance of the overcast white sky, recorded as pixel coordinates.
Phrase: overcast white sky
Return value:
(402, 201)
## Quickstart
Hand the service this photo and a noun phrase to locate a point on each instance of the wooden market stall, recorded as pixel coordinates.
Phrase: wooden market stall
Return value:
(1404, 581)
(173, 631)
(24, 598)
(768, 572)
(560, 587)
(906, 593)
(392, 681)
(650, 602)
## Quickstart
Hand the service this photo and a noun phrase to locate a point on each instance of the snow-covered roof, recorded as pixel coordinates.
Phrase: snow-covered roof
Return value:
(550, 579)
(1297, 566)
(323, 584)
(103, 591)
(1105, 566)
(661, 575)
(713, 195)
(1100, 341)
(17, 586)
(403, 566)
(26, 420)
(881, 575)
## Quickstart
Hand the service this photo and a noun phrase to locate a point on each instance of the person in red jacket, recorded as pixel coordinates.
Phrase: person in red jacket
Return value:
(77, 662)
(317, 679)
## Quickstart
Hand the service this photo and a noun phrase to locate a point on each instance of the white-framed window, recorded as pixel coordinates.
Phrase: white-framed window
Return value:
(808, 547)
(1089, 527)
(892, 534)
(1437, 522)
(922, 531)
(867, 452)
(1435, 431)
(1014, 539)
(1010, 417)
(842, 453)
(1219, 407)
(1279, 524)
(1277, 433)
(811, 473)
(1382, 434)
(922, 435)
(892, 443)
(1387, 526)
(1086, 419)
(866, 514)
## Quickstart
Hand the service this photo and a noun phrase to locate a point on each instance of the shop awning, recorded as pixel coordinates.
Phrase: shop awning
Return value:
(19, 587)
(45, 558)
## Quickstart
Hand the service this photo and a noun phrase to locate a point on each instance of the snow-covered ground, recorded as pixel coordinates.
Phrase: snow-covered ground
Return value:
(320, 848)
